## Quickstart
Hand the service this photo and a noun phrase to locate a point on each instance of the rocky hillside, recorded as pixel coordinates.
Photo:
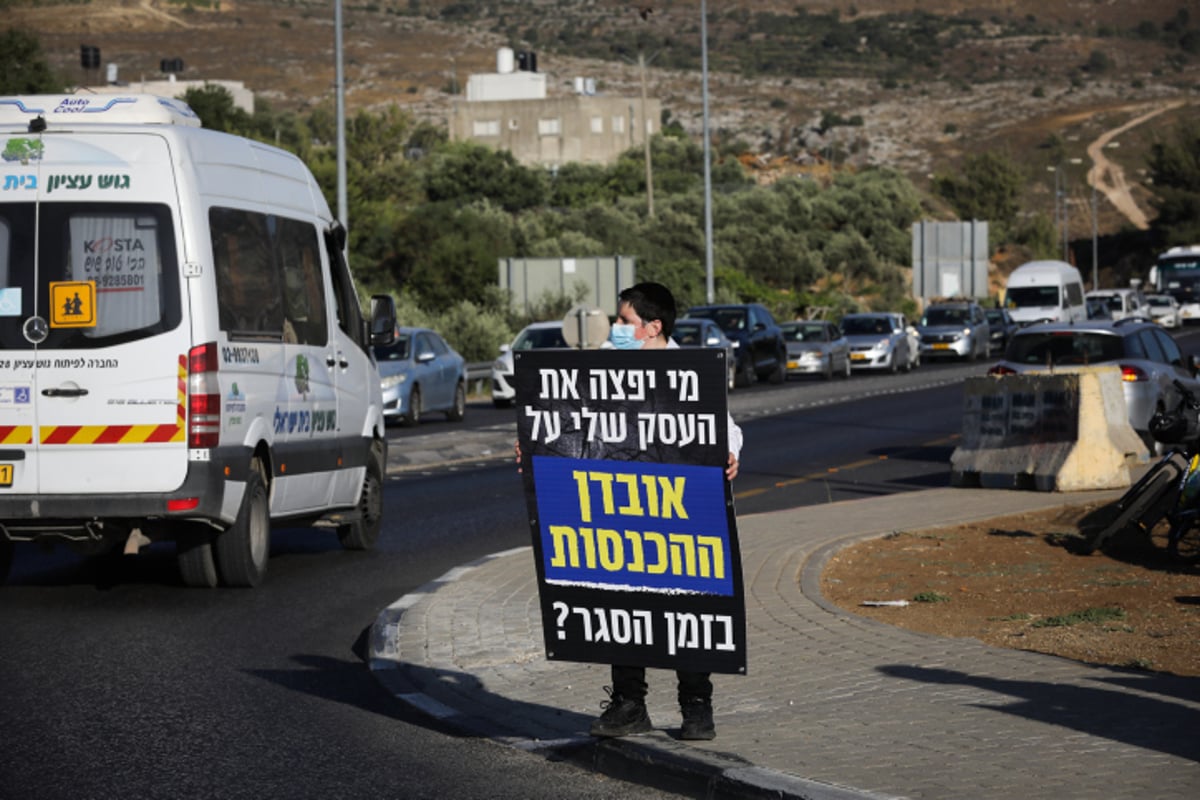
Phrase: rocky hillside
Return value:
(914, 85)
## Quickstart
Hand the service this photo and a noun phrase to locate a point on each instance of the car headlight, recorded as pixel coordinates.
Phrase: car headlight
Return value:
(393, 380)
(499, 365)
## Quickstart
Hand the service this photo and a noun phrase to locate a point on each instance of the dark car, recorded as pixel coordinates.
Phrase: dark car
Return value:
(761, 352)
(706, 333)
(1001, 327)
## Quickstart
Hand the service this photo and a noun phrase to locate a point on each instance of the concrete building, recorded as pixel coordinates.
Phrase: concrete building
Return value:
(510, 110)
(243, 98)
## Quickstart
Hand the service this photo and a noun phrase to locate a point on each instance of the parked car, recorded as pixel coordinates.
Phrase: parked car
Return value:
(1164, 309)
(1121, 302)
(816, 347)
(1001, 327)
(1149, 359)
(958, 329)
(419, 373)
(761, 352)
(706, 333)
(535, 336)
(879, 340)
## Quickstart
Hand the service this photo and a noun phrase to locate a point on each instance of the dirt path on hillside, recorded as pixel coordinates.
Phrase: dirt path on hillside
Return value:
(1109, 178)
(170, 19)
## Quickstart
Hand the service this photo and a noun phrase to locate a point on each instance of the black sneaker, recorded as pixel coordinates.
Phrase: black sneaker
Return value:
(697, 720)
(621, 717)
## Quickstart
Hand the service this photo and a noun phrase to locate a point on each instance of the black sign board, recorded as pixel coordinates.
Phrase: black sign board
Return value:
(633, 526)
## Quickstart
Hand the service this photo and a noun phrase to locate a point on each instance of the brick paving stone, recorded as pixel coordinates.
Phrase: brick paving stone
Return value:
(833, 705)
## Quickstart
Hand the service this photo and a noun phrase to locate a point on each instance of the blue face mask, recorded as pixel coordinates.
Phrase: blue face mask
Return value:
(622, 337)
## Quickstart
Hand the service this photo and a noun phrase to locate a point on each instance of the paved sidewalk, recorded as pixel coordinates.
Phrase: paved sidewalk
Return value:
(834, 705)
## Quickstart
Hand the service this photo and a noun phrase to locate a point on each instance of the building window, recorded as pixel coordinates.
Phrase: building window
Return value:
(513, 124)
(618, 124)
(487, 127)
(597, 124)
(549, 127)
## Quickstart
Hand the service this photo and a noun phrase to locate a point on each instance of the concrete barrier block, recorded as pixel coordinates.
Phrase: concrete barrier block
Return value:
(1062, 431)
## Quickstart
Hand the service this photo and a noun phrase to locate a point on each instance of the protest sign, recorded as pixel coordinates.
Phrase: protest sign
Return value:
(632, 520)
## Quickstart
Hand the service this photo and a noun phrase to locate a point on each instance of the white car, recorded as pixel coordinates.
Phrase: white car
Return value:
(533, 337)
(1164, 309)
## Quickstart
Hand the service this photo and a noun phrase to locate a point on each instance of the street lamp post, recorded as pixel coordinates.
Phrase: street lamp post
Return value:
(1057, 198)
(708, 247)
(343, 211)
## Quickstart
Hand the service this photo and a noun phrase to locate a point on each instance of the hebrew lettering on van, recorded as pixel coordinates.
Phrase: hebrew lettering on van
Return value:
(119, 253)
(12, 182)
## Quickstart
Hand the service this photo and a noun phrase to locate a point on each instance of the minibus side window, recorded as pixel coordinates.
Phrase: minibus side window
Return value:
(349, 315)
(249, 297)
(304, 290)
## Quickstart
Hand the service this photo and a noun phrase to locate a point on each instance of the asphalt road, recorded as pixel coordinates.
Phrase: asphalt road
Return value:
(119, 682)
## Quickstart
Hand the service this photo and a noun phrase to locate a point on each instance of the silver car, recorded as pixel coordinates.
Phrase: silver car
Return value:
(879, 340)
(955, 329)
(532, 337)
(816, 347)
(420, 372)
(1149, 359)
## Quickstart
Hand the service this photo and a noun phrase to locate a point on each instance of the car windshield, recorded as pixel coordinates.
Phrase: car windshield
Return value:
(994, 315)
(1032, 296)
(539, 338)
(1113, 301)
(397, 351)
(944, 316)
(865, 325)
(803, 333)
(1065, 347)
(687, 334)
(730, 320)
(1158, 300)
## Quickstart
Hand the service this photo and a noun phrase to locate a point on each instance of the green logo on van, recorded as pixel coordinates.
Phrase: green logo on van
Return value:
(301, 374)
(23, 150)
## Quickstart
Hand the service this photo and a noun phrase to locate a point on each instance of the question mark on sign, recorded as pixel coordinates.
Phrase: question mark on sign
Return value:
(562, 610)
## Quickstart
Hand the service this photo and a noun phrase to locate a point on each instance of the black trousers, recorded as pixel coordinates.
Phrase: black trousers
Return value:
(630, 683)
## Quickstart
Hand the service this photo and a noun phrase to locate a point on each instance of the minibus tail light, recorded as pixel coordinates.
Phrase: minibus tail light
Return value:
(204, 397)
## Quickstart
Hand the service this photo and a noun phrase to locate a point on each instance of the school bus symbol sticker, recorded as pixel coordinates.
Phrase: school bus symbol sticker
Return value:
(73, 304)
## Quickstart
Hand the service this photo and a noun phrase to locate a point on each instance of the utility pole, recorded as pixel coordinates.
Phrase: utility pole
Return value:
(343, 206)
(708, 244)
(646, 138)
(1095, 243)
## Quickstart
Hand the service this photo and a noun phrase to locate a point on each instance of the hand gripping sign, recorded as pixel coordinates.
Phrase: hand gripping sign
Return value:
(633, 526)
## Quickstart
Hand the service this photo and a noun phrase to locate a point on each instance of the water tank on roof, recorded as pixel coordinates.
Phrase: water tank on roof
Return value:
(589, 86)
(504, 60)
(527, 61)
(579, 86)
(110, 73)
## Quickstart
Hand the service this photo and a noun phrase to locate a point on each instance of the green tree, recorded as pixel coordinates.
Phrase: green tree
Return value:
(988, 187)
(1175, 172)
(215, 107)
(23, 65)
(464, 172)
